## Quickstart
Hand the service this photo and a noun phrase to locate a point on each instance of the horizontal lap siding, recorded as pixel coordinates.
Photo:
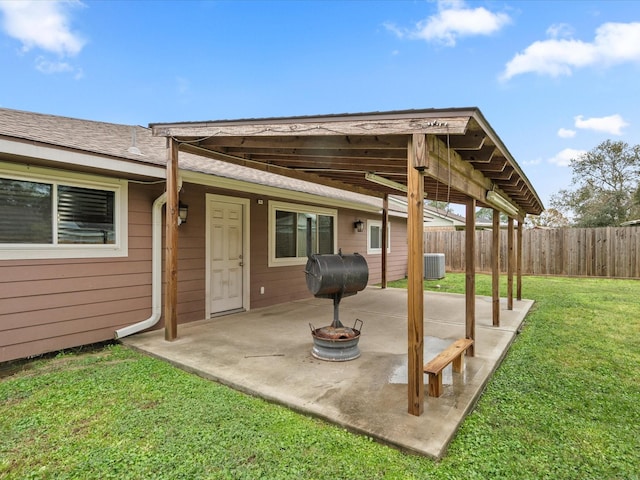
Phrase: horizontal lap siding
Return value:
(397, 258)
(47, 305)
(191, 256)
(281, 284)
(288, 283)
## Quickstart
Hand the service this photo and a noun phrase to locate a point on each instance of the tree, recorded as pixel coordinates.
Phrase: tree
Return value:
(606, 184)
(550, 218)
(486, 214)
(443, 206)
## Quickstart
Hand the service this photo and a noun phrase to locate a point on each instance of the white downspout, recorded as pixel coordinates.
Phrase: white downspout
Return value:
(156, 273)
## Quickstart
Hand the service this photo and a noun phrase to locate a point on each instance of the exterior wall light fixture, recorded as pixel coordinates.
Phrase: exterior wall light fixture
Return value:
(183, 212)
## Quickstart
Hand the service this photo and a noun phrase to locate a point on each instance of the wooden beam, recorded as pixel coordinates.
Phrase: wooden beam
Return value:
(495, 269)
(309, 177)
(504, 175)
(446, 166)
(470, 141)
(301, 143)
(171, 247)
(511, 260)
(438, 125)
(470, 274)
(420, 157)
(484, 155)
(519, 262)
(415, 267)
(385, 236)
(498, 166)
(316, 152)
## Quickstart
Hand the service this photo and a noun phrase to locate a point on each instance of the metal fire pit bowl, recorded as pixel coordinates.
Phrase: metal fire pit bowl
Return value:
(336, 344)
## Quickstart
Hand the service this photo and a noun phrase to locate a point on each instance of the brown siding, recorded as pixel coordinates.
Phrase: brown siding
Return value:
(285, 284)
(47, 305)
(351, 241)
(191, 256)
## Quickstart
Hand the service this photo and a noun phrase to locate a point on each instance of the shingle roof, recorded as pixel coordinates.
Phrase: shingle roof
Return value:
(116, 141)
(107, 139)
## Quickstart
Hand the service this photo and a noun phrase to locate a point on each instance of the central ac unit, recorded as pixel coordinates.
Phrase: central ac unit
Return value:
(433, 266)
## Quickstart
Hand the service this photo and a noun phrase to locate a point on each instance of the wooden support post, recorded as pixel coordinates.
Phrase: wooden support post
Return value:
(171, 247)
(385, 237)
(511, 260)
(495, 269)
(415, 267)
(519, 262)
(470, 275)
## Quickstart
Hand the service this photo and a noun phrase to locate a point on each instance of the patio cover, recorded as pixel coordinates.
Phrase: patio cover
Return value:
(448, 155)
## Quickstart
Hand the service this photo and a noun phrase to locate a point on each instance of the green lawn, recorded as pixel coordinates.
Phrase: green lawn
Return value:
(565, 404)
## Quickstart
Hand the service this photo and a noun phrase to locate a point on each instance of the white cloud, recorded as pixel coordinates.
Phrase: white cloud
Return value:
(454, 20)
(564, 158)
(560, 30)
(393, 28)
(614, 43)
(613, 124)
(535, 161)
(41, 24)
(47, 66)
(566, 133)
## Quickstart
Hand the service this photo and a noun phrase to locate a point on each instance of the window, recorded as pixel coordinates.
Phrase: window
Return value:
(374, 236)
(291, 225)
(44, 214)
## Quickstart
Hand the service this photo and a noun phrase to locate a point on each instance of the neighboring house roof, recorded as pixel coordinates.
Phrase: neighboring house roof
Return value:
(432, 216)
(438, 217)
(136, 145)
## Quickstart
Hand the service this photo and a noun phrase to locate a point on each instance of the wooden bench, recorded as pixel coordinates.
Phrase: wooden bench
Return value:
(453, 353)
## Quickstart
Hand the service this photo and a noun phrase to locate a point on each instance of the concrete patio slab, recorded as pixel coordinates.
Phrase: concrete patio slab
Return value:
(267, 353)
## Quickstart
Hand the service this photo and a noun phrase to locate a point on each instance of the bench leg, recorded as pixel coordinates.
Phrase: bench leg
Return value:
(458, 363)
(435, 384)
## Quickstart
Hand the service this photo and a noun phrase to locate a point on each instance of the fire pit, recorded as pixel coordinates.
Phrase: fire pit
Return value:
(336, 344)
(336, 276)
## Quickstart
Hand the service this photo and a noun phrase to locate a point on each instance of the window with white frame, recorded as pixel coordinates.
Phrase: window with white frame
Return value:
(374, 236)
(46, 214)
(290, 225)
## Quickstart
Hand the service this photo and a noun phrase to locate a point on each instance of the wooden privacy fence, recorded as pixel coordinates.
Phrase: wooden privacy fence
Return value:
(591, 252)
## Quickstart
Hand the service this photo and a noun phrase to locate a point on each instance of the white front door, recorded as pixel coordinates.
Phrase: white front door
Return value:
(226, 257)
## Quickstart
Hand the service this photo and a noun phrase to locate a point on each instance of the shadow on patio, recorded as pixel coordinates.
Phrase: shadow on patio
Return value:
(267, 353)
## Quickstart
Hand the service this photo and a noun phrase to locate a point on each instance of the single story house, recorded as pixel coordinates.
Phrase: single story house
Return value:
(76, 243)
(108, 229)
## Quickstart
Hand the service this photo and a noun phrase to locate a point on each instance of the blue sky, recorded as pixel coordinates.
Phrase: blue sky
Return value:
(553, 78)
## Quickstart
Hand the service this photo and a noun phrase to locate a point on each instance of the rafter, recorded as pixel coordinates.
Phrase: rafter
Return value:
(308, 177)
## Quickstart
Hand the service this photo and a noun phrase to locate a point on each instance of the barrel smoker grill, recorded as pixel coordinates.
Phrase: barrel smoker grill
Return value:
(336, 276)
